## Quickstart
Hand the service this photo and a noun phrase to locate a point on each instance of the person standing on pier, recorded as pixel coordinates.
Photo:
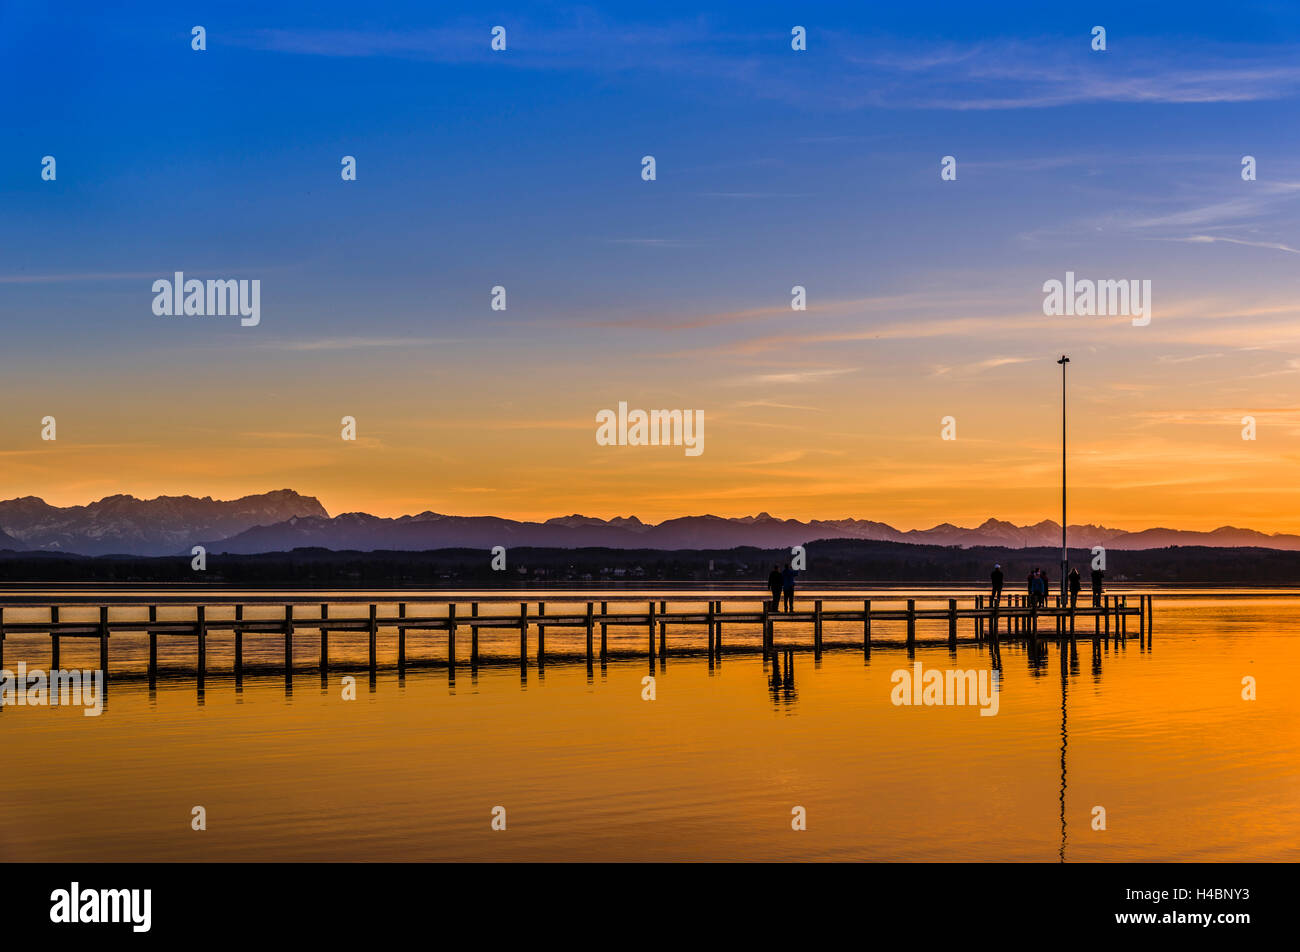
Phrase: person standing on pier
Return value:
(1074, 588)
(1097, 575)
(787, 579)
(1031, 586)
(774, 583)
(997, 584)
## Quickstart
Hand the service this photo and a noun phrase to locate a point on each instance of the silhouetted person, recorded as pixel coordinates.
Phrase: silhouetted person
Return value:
(997, 584)
(1038, 589)
(1074, 588)
(787, 586)
(1097, 575)
(774, 583)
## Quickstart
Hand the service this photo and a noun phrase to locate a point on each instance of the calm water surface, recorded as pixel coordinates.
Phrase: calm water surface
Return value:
(587, 770)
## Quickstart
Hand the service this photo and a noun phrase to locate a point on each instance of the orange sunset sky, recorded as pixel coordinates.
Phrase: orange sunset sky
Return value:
(924, 295)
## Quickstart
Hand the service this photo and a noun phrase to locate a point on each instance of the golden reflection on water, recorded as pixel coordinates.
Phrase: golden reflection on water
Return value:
(710, 769)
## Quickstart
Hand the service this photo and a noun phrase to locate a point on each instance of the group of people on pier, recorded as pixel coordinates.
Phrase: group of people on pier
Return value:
(1037, 585)
(780, 582)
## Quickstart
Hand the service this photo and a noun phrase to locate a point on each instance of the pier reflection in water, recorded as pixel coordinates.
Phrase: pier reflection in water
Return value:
(709, 769)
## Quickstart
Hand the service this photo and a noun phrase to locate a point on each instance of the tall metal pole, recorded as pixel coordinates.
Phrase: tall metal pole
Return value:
(1065, 557)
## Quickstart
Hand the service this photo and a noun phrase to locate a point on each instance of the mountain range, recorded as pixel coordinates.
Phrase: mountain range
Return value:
(282, 520)
(125, 525)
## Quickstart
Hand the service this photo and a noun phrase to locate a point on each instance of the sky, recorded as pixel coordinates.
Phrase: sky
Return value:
(775, 167)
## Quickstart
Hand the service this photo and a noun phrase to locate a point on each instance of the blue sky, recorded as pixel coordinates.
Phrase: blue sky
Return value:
(477, 165)
(521, 168)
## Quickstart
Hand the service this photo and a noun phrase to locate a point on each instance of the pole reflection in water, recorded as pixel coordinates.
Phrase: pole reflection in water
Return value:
(1064, 740)
(782, 686)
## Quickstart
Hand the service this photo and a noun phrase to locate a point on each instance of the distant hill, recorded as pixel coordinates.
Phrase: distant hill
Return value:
(430, 530)
(284, 520)
(831, 562)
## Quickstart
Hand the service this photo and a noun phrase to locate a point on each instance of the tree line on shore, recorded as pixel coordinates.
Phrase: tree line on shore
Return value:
(840, 561)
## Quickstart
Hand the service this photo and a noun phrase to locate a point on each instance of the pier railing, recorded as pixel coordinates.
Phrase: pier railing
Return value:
(1011, 618)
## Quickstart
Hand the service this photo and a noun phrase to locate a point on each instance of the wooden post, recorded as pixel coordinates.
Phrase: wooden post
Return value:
(154, 645)
(709, 628)
(717, 632)
(590, 631)
(324, 638)
(767, 626)
(473, 638)
(952, 622)
(2, 638)
(54, 642)
(978, 623)
(866, 626)
(1123, 617)
(401, 636)
(1151, 617)
(541, 634)
(239, 640)
(911, 622)
(817, 629)
(652, 631)
(288, 638)
(1142, 621)
(451, 636)
(201, 625)
(374, 637)
(523, 636)
(663, 629)
(604, 632)
(103, 640)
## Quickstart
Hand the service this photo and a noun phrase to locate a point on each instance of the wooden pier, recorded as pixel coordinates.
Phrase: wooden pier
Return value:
(1012, 619)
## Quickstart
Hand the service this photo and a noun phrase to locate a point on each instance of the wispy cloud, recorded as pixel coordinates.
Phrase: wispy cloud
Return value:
(1210, 239)
(755, 195)
(653, 242)
(978, 366)
(1265, 197)
(355, 343)
(855, 70)
(792, 376)
(1061, 71)
(85, 276)
(770, 405)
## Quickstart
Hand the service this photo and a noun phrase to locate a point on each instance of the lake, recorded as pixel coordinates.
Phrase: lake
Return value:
(711, 769)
